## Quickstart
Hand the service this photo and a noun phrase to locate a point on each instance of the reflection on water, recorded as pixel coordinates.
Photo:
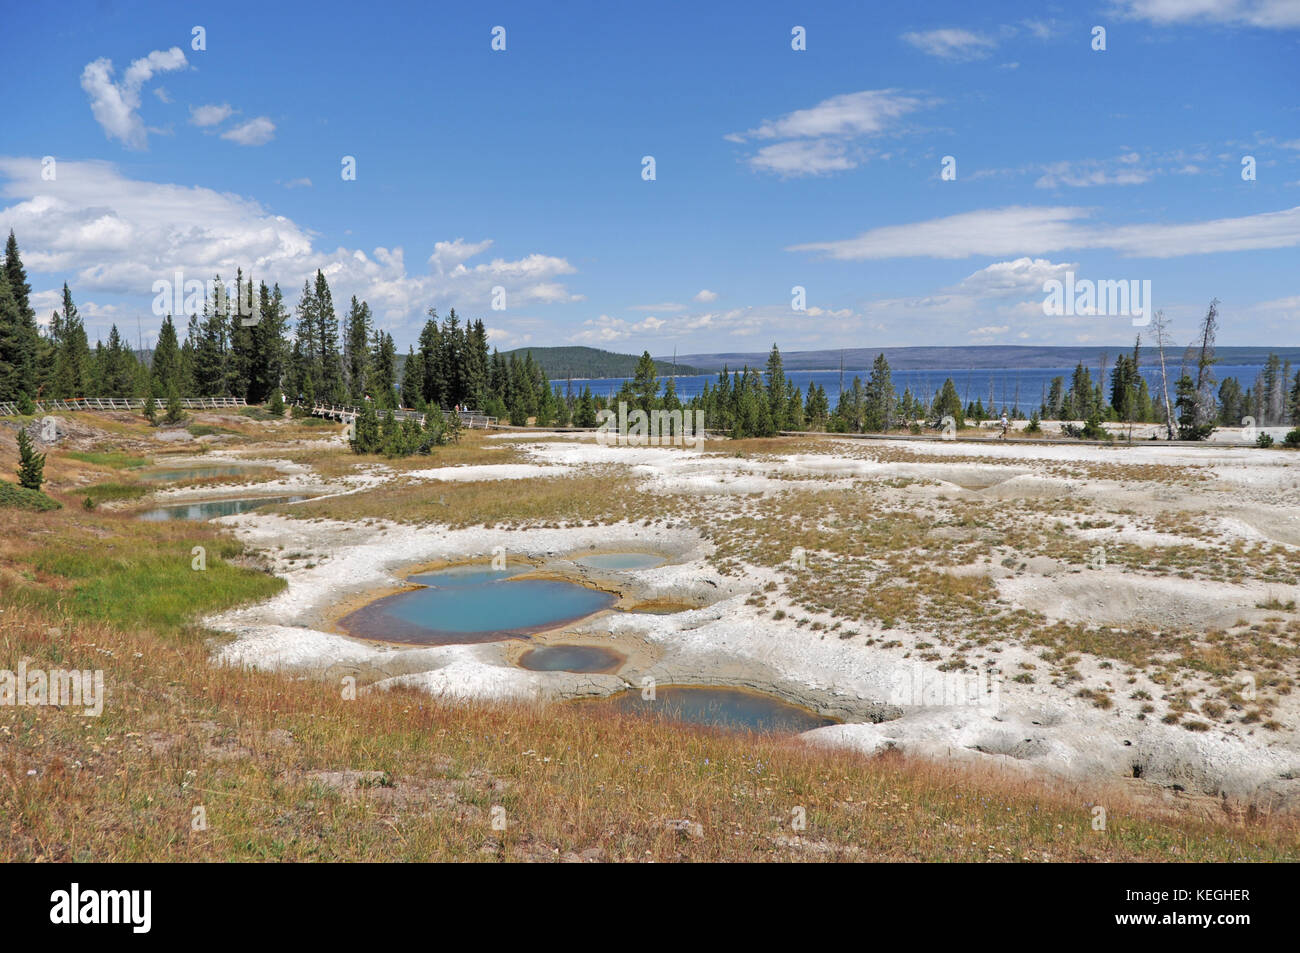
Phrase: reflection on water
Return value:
(734, 709)
(208, 509)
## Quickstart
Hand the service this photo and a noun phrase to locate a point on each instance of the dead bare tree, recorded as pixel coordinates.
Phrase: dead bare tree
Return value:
(1161, 328)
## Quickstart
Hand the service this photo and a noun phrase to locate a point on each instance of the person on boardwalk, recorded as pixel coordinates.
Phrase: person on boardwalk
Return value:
(1006, 425)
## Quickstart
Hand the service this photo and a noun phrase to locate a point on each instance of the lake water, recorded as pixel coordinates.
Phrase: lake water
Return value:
(734, 709)
(192, 473)
(208, 509)
(474, 604)
(1031, 384)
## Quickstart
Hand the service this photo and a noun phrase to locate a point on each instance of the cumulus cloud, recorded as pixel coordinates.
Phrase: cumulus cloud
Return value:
(116, 105)
(1021, 230)
(210, 115)
(705, 296)
(116, 235)
(255, 132)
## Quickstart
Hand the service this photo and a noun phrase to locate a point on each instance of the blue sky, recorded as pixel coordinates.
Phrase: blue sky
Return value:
(774, 168)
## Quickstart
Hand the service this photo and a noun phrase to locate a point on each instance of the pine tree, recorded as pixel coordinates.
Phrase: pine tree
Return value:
(267, 368)
(645, 381)
(586, 412)
(117, 368)
(165, 367)
(356, 351)
(13, 344)
(71, 351)
(24, 353)
(366, 438)
(880, 396)
(947, 403)
(31, 465)
(384, 370)
(211, 352)
(776, 395)
(413, 380)
(331, 382)
(304, 376)
(175, 409)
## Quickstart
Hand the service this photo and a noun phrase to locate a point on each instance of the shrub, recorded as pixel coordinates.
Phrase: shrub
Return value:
(275, 405)
(24, 499)
(1265, 439)
(1035, 423)
(1093, 430)
(1292, 439)
(26, 406)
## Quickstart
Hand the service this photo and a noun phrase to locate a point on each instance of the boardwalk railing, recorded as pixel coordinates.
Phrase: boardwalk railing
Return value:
(473, 419)
(10, 408)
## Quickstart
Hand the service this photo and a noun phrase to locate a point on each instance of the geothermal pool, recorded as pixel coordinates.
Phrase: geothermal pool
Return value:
(474, 604)
(734, 709)
(208, 509)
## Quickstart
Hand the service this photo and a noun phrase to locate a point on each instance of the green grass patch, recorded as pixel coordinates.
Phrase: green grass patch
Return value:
(114, 458)
(154, 586)
(106, 492)
(19, 497)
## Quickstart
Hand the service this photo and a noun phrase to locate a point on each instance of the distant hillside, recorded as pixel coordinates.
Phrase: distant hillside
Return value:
(560, 363)
(956, 358)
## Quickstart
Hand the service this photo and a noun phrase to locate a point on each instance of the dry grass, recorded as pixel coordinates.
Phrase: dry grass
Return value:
(289, 770)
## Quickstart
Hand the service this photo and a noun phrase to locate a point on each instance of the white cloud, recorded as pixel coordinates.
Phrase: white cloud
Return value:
(115, 235)
(1019, 230)
(952, 44)
(1020, 277)
(303, 183)
(818, 140)
(115, 105)
(814, 157)
(255, 132)
(448, 255)
(1267, 14)
(210, 115)
(1123, 170)
(706, 296)
(849, 114)
(162, 94)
